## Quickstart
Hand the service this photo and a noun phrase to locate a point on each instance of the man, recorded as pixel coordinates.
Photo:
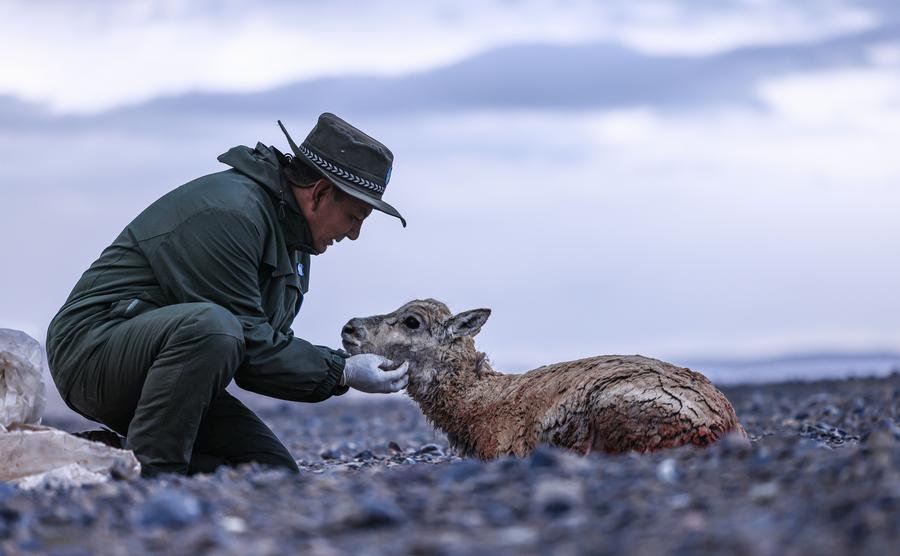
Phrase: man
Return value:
(202, 287)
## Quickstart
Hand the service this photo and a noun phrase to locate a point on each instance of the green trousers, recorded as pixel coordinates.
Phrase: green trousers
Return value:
(159, 380)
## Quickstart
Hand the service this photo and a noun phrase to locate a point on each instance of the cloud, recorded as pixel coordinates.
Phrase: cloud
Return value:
(93, 55)
(570, 77)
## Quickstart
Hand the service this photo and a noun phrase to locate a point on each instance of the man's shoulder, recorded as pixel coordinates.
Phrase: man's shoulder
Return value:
(227, 191)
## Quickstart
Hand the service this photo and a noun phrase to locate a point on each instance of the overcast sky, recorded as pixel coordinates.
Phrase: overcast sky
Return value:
(675, 178)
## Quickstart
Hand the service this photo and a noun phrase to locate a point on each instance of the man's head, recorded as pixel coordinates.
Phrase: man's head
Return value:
(331, 214)
(339, 175)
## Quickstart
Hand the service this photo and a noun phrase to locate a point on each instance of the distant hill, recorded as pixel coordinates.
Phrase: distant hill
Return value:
(807, 366)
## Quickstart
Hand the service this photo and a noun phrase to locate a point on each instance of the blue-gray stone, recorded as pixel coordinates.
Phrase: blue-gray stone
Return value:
(543, 457)
(377, 513)
(169, 509)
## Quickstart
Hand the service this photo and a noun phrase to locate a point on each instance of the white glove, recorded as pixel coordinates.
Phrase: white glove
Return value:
(365, 372)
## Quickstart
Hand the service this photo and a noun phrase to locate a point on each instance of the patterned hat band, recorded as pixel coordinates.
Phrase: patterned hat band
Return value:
(340, 172)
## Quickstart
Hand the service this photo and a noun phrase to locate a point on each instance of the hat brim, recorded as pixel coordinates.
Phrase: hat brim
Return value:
(346, 187)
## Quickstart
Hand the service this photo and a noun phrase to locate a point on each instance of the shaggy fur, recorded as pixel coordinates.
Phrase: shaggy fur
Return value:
(609, 403)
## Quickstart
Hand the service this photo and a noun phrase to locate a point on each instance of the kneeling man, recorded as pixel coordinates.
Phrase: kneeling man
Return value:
(202, 287)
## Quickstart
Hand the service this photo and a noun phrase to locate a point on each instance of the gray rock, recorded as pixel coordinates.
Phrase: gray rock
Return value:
(376, 513)
(463, 471)
(433, 449)
(543, 457)
(499, 514)
(764, 493)
(169, 508)
(6, 491)
(667, 471)
(555, 497)
(330, 454)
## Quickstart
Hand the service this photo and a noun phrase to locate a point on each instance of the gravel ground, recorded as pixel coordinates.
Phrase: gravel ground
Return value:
(821, 476)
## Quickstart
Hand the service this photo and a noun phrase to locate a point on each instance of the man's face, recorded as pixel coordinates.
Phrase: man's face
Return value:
(332, 219)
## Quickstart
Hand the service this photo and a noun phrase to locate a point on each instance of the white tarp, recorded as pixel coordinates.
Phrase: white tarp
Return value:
(22, 365)
(32, 455)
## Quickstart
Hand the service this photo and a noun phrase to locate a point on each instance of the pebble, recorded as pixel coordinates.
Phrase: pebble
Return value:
(430, 449)
(764, 492)
(667, 471)
(376, 513)
(680, 501)
(884, 433)
(169, 508)
(516, 536)
(543, 457)
(6, 490)
(463, 471)
(736, 444)
(233, 524)
(499, 514)
(8, 519)
(555, 497)
(330, 454)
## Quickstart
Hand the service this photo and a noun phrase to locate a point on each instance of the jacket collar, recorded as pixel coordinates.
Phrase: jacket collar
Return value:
(265, 165)
(297, 233)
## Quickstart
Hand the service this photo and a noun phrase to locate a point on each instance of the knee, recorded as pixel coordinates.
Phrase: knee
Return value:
(217, 333)
(210, 318)
(225, 346)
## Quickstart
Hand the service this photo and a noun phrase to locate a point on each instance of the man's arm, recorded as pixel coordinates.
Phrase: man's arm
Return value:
(214, 256)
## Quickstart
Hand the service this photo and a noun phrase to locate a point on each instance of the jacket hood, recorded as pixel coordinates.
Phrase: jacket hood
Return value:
(264, 165)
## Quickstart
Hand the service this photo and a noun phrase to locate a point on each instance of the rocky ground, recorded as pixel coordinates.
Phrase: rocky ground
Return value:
(821, 476)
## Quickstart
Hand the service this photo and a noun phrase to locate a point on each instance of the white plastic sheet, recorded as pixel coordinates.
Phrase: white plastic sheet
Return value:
(22, 365)
(35, 455)
(32, 455)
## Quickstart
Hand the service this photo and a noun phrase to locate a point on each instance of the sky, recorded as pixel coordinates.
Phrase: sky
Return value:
(683, 179)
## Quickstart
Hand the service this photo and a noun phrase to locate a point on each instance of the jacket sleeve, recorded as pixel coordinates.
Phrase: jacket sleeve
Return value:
(214, 256)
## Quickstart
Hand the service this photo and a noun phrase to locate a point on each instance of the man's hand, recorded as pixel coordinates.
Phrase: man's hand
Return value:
(365, 372)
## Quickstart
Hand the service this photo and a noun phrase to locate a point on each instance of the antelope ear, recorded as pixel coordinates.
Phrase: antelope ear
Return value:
(467, 323)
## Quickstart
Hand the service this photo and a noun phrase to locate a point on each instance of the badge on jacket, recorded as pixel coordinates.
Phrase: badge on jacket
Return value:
(299, 269)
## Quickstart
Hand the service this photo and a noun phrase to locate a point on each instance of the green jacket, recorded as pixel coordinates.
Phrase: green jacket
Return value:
(236, 238)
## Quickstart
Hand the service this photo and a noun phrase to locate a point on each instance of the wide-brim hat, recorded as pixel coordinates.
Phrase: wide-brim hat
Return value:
(354, 162)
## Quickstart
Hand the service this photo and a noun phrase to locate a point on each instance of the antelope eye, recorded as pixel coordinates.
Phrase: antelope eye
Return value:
(411, 322)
